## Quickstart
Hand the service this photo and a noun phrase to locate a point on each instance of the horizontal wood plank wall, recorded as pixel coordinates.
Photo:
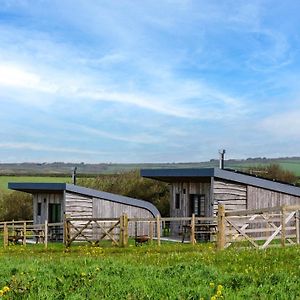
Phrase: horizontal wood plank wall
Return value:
(78, 206)
(232, 195)
(261, 198)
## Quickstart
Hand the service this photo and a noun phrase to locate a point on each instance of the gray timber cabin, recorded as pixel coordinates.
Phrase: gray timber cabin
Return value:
(199, 191)
(54, 201)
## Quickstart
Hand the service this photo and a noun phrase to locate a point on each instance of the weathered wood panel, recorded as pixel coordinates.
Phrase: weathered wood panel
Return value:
(185, 189)
(260, 198)
(45, 199)
(78, 206)
(232, 195)
(108, 209)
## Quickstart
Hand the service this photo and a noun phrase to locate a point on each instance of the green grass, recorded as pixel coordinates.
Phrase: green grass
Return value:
(149, 272)
(5, 179)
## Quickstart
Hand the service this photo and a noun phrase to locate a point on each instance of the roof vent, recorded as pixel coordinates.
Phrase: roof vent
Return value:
(221, 159)
(74, 175)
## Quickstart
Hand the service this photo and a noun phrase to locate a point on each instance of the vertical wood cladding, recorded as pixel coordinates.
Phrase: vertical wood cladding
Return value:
(185, 189)
(261, 198)
(232, 195)
(45, 199)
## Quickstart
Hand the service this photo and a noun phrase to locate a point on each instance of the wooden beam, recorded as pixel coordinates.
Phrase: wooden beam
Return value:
(5, 235)
(192, 237)
(24, 234)
(297, 223)
(158, 229)
(46, 234)
(221, 227)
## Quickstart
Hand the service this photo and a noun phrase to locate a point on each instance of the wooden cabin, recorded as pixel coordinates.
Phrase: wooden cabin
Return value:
(54, 201)
(199, 191)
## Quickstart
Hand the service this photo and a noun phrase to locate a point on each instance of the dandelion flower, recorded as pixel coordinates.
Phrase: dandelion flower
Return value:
(220, 287)
(212, 285)
(213, 298)
(6, 289)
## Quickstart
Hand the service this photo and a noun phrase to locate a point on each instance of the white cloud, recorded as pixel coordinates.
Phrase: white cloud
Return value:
(46, 148)
(283, 125)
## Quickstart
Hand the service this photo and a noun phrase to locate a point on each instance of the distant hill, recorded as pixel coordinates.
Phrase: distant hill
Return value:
(63, 169)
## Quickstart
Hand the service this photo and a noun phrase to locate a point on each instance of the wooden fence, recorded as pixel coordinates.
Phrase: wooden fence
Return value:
(259, 228)
(118, 230)
(22, 232)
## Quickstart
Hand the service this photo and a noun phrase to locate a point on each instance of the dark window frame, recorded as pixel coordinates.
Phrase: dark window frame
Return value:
(177, 201)
(39, 209)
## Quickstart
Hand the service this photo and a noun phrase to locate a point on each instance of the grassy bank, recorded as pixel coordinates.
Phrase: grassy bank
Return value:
(148, 272)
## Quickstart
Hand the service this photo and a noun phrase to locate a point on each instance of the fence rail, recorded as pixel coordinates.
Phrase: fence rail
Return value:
(22, 232)
(259, 228)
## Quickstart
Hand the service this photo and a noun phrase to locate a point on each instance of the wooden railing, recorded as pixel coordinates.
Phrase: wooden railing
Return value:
(260, 228)
(118, 230)
(20, 232)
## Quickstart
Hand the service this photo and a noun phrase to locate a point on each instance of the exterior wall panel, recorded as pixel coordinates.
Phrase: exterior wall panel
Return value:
(232, 195)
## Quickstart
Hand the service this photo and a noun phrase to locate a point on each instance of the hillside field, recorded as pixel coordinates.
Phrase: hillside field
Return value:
(172, 271)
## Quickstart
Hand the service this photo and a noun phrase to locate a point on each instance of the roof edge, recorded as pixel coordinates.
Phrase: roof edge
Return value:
(31, 187)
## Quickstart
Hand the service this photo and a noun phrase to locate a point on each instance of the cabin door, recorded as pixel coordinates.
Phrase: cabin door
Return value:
(54, 215)
(198, 205)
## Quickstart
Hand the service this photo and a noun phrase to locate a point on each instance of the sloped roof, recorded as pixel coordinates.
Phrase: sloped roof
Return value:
(171, 175)
(32, 188)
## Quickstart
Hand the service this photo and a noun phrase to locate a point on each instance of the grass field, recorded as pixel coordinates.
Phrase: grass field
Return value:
(148, 272)
(5, 179)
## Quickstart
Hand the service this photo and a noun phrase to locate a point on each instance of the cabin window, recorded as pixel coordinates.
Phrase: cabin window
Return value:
(54, 213)
(198, 205)
(39, 208)
(177, 201)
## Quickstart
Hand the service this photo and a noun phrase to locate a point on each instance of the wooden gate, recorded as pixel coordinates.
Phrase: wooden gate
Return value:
(259, 228)
(94, 230)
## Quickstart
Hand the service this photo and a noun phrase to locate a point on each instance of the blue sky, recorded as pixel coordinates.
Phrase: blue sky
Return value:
(148, 81)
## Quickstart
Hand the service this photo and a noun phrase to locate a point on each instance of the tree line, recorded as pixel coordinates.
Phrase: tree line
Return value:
(18, 206)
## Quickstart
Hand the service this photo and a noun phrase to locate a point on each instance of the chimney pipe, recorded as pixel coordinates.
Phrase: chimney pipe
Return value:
(221, 161)
(74, 175)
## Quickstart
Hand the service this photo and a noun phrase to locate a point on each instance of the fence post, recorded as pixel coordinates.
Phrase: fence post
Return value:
(221, 227)
(192, 237)
(67, 233)
(24, 233)
(123, 231)
(158, 229)
(297, 215)
(46, 234)
(151, 231)
(283, 226)
(5, 235)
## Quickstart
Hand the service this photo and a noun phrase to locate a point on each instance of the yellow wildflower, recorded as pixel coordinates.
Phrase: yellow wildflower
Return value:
(220, 287)
(213, 298)
(212, 285)
(1, 293)
(219, 293)
(6, 289)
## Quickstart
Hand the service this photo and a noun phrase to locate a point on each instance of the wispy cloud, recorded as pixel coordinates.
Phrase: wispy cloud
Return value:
(163, 80)
(37, 147)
